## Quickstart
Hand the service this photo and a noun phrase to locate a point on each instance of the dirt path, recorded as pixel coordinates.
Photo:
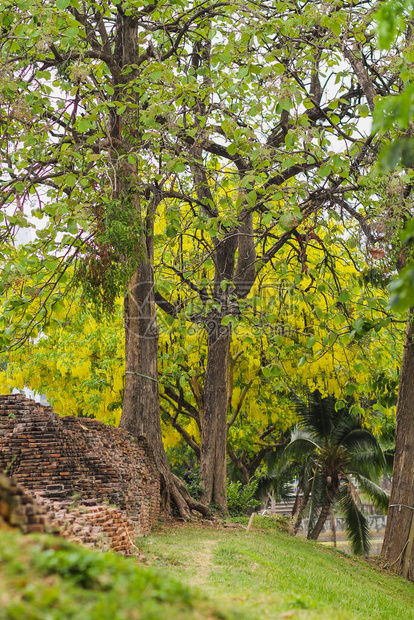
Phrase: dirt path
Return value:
(202, 559)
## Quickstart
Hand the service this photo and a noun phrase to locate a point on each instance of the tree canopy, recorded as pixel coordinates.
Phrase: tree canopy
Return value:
(206, 177)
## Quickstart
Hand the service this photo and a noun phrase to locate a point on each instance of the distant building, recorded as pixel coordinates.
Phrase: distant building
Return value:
(29, 393)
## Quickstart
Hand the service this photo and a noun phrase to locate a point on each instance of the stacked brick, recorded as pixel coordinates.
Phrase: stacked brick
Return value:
(19, 509)
(102, 526)
(67, 462)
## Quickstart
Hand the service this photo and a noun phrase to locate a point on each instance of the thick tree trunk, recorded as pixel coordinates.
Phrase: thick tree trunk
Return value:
(141, 409)
(401, 509)
(213, 460)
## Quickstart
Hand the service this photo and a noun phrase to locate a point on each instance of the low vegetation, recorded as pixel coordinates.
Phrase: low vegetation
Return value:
(268, 573)
(265, 573)
(50, 578)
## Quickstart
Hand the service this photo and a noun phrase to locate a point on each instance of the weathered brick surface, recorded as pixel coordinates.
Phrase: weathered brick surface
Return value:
(18, 508)
(72, 462)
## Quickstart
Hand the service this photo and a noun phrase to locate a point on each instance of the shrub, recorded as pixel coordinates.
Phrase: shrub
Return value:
(241, 498)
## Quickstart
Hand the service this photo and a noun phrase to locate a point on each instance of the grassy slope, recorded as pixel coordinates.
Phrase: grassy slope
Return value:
(267, 574)
(48, 578)
(263, 574)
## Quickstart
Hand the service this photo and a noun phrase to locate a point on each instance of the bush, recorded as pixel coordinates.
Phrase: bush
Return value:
(241, 498)
(194, 485)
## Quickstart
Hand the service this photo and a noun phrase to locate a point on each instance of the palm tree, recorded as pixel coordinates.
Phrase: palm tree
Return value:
(339, 460)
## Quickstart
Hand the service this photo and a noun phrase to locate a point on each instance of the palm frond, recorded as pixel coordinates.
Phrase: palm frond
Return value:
(356, 524)
(378, 496)
(302, 443)
(307, 472)
(318, 416)
(279, 481)
(363, 438)
(272, 460)
(346, 423)
(365, 454)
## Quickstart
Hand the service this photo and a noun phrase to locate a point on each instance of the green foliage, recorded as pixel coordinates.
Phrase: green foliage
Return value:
(391, 19)
(241, 498)
(395, 114)
(269, 573)
(194, 485)
(335, 450)
(85, 570)
(102, 144)
(54, 578)
(356, 523)
(112, 255)
(402, 286)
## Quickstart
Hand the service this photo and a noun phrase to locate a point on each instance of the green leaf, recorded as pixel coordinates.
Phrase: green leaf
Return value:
(178, 166)
(62, 4)
(251, 198)
(344, 297)
(350, 389)
(84, 124)
(324, 171)
(70, 180)
(232, 149)
(335, 27)
(363, 110)
(171, 231)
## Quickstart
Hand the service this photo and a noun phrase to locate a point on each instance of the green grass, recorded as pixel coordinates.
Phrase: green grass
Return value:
(196, 571)
(48, 578)
(268, 573)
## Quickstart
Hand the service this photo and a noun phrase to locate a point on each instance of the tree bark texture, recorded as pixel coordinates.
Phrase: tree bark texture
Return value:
(213, 457)
(324, 514)
(141, 407)
(401, 508)
(141, 412)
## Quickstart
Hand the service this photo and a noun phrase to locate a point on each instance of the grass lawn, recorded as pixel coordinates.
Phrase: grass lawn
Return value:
(269, 574)
(196, 571)
(49, 578)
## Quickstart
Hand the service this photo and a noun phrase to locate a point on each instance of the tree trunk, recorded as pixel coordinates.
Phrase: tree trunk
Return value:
(324, 514)
(301, 502)
(213, 459)
(401, 511)
(333, 521)
(141, 408)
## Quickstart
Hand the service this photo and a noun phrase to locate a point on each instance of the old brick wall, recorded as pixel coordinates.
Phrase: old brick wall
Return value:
(19, 509)
(69, 462)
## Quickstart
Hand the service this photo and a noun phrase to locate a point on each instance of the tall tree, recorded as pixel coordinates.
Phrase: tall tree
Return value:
(78, 80)
(131, 107)
(250, 167)
(393, 115)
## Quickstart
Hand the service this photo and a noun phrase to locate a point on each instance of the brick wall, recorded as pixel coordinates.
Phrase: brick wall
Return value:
(18, 508)
(77, 462)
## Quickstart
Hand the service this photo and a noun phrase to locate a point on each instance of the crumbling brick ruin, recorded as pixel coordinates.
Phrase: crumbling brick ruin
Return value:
(19, 509)
(97, 484)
